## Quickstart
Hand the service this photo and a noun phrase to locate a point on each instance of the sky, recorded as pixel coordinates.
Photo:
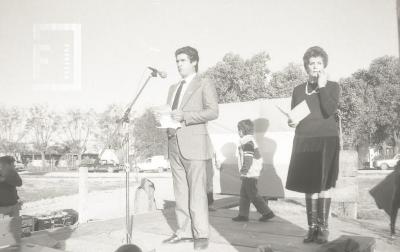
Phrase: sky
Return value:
(100, 56)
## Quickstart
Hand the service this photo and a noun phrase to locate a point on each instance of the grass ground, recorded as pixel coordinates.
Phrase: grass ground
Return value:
(367, 208)
(38, 187)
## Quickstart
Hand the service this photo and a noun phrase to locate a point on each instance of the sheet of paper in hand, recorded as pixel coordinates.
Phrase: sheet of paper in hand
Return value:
(166, 120)
(298, 113)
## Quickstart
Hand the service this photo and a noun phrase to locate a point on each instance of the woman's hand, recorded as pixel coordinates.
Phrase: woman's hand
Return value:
(292, 123)
(322, 79)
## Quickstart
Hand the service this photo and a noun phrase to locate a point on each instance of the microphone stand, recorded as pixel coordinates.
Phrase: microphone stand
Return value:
(123, 122)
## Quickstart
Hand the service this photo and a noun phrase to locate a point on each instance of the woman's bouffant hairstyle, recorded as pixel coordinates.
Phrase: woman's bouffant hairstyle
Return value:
(246, 127)
(315, 51)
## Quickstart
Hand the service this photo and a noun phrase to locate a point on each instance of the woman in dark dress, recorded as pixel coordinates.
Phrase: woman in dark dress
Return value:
(314, 163)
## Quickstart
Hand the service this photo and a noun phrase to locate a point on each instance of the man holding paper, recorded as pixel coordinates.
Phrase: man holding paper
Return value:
(314, 163)
(194, 102)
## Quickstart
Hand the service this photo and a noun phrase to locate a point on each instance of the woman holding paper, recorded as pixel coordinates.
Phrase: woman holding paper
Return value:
(314, 163)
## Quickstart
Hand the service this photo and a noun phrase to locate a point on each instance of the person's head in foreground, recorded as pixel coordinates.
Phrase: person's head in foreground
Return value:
(6, 162)
(129, 248)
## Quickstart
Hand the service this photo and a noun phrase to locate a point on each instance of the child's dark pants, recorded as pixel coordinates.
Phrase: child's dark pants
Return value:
(249, 194)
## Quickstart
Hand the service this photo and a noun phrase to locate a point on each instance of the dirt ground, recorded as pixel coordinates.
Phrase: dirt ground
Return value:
(43, 194)
(106, 199)
(367, 209)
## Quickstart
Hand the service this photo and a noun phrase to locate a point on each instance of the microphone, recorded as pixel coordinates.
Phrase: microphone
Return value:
(157, 72)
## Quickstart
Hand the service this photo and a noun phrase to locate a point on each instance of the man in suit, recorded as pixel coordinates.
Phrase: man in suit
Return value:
(194, 102)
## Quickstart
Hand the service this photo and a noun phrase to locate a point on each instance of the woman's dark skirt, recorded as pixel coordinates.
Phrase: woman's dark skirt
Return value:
(314, 165)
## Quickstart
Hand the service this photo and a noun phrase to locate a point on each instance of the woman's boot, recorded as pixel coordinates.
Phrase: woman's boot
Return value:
(324, 205)
(311, 209)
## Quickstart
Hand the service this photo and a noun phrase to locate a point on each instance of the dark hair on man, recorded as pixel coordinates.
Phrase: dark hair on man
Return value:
(8, 160)
(246, 126)
(129, 248)
(191, 53)
(315, 51)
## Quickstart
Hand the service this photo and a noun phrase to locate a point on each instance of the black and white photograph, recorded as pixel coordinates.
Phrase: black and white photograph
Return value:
(214, 125)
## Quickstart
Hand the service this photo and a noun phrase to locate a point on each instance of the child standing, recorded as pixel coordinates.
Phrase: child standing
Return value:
(250, 166)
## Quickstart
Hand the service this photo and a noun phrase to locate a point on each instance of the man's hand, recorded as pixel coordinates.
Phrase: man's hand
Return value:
(157, 116)
(177, 115)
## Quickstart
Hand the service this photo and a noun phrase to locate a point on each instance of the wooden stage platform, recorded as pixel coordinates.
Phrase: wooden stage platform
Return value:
(150, 229)
(282, 234)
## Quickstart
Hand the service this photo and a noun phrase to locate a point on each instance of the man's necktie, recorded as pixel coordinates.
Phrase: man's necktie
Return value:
(177, 96)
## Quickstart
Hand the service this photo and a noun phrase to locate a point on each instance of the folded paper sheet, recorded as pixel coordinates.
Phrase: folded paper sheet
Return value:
(298, 113)
(166, 121)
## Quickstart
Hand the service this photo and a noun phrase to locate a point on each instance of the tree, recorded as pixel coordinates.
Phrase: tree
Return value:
(42, 124)
(106, 124)
(78, 127)
(385, 80)
(239, 80)
(149, 140)
(357, 112)
(283, 82)
(12, 130)
(370, 103)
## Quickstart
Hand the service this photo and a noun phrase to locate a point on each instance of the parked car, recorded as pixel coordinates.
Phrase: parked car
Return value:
(19, 167)
(155, 163)
(110, 168)
(366, 166)
(385, 164)
(103, 166)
